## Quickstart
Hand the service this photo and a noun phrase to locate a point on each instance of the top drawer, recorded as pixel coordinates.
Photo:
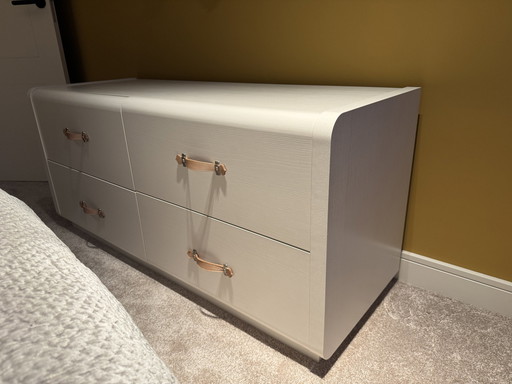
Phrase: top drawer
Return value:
(267, 186)
(104, 154)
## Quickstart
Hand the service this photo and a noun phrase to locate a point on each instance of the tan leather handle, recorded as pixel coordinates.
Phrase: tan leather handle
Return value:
(76, 135)
(209, 266)
(91, 211)
(196, 165)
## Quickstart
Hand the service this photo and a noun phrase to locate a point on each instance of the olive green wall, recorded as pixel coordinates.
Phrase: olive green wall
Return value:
(459, 51)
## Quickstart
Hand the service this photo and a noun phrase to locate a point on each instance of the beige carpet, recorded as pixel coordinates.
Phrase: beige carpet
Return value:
(412, 336)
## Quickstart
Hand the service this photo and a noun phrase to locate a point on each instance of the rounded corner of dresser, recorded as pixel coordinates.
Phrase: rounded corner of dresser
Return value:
(33, 92)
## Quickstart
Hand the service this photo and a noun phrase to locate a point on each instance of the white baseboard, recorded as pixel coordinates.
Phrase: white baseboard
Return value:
(458, 283)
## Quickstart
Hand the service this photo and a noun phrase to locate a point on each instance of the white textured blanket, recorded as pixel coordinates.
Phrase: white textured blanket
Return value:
(58, 322)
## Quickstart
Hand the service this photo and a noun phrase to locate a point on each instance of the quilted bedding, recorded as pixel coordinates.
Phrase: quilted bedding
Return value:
(58, 322)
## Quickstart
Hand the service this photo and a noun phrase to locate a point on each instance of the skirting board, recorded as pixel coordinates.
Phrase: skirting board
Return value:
(458, 283)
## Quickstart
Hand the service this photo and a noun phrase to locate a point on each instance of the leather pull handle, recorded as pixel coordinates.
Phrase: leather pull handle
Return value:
(91, 211)
(196, 165)
(76, 135)
(209, 266)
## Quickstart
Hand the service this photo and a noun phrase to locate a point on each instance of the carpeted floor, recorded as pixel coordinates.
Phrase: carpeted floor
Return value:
(411, 336)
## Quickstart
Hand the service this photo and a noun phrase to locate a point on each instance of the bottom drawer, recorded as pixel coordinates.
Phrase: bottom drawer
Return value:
(270, 281)
(119, 225)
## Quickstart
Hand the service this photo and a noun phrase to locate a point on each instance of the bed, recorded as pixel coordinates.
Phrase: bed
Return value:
(58, 322)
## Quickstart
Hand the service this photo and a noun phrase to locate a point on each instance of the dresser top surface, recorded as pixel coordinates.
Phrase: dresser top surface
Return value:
(303, 98)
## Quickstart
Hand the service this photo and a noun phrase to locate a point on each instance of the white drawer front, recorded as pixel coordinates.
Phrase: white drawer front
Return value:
(104, 155)
(270, 281)
(120, 226)
(267, 187)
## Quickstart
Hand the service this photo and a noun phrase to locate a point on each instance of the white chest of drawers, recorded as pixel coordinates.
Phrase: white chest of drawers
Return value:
(308, 217)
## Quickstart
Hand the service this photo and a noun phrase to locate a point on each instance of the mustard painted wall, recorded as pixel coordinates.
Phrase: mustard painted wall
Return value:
(459, 51)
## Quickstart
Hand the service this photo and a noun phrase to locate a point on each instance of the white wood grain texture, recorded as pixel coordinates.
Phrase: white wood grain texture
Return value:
(320, 177)
(121, 225)
(105, 154)
(230, 101)
(270, 281)
(267, 185)
(371, 158)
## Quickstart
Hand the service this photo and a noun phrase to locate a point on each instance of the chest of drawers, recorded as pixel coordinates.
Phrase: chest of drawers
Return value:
(284, 204)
